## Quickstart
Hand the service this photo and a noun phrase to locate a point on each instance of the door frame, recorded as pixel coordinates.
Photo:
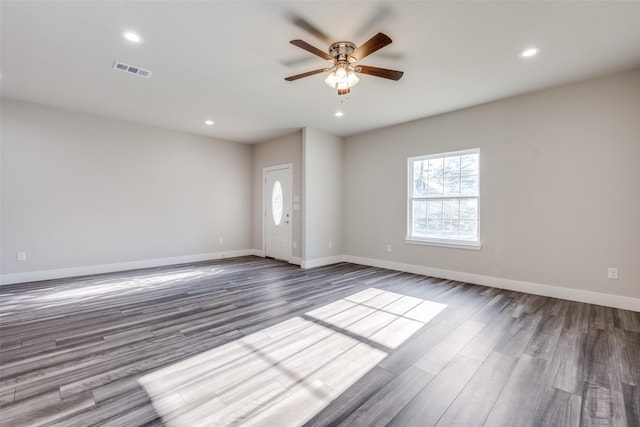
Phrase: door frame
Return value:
(266, 194)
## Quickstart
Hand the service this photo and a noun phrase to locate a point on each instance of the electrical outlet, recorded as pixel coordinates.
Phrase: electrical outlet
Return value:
(21, 256)
(295, 245)
(388, 247)
(612, 273)
(221, 240)
(330, 245)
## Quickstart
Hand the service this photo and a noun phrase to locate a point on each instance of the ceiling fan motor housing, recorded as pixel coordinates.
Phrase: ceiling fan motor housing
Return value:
(340, 51)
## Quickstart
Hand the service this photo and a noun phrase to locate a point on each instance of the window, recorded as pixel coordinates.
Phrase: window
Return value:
(276, 202)
(444, 197)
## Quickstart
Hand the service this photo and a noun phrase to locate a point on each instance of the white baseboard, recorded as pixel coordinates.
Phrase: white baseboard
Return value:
(33, 276)
(617, 301)
(319, 262)
(609, 300)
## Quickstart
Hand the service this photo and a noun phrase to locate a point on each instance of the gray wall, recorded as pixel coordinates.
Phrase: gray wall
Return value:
(560, 195)
(323, 195)
(559, 191)
(80, 190)
(286, 149)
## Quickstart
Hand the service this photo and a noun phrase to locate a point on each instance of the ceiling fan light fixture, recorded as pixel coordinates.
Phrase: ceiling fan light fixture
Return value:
(352, 79)
(342, 79)
(331, 80)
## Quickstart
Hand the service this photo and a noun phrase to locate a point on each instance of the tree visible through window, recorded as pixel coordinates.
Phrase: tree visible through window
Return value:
(444, 195)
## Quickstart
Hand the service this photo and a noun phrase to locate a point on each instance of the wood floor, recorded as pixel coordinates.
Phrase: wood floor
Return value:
(250, 341)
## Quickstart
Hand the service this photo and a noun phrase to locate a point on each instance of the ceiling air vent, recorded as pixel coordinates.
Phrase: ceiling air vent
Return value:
(131, 69)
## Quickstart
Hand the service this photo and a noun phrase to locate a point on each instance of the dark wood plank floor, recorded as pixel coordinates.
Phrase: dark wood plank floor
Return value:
(251, 341)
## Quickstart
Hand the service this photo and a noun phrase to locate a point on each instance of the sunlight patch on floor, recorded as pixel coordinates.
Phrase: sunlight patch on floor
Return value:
(285, 374)
(101, 289)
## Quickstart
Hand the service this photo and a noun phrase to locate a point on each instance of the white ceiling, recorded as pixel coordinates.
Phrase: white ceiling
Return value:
(226, 60)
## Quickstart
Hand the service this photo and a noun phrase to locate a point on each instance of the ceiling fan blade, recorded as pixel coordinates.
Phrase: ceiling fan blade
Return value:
(307, 74)
(307, 26)
(380, 72)
(376, 42)
(306, 46)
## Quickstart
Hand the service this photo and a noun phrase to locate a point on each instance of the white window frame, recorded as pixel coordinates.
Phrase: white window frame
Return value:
(436, 241)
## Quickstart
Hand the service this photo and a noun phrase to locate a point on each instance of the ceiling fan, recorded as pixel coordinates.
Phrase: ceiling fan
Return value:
(344, 57)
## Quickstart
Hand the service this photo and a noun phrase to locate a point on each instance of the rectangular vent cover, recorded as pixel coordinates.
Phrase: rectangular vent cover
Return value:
(131, 69)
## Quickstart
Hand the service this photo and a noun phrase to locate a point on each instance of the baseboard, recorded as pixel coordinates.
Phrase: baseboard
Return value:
(319, 262)
(616, 301)
(34, 276)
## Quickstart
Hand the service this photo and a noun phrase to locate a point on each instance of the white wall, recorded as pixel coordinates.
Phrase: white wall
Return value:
(560, 187)
(279, 151)
(80, 190)
(323, 197)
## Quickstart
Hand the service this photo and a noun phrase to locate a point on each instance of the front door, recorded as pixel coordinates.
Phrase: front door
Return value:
(277, 212)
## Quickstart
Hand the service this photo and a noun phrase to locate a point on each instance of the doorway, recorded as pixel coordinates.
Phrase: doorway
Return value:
(277, 212)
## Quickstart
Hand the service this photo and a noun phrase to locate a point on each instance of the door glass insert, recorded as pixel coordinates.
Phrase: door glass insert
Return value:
(276, 202)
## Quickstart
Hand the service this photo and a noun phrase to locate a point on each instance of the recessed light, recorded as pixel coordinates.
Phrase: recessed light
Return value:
(339, 114)
(131, 36)
(208, 122)
(527, 53)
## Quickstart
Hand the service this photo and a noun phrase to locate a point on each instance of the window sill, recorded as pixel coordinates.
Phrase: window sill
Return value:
(474, 246)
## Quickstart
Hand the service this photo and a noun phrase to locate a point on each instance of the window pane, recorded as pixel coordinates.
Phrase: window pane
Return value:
(450, 229)
(469, 209)
(468, 230)
(436, 168)
(434, 228)
(435, 187)
(420, 227)
(452, 185)
(434, 209)
(469, 185)
(450, 209)
(469, 164)
(452, 166)
(420, 218)
(420, 178)
(419, 209)
(276, 202)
